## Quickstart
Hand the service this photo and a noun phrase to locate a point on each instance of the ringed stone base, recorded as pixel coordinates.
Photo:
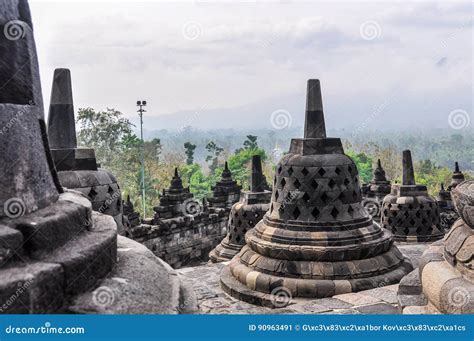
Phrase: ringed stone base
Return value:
(267, 290)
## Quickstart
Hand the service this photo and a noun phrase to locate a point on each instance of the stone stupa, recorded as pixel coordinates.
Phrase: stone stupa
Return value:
(316, 240)
(77, 167)
(57, 255)
(244, 215)
(175, 201)
(377, 189)
(448, 213)
(409, 212)
(226, 192)
(444, 282)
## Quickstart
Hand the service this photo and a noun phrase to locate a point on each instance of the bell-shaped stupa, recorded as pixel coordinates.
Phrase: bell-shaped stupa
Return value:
(317, 240)
(226, 192)
(377, 189)
(408, 211)
(444, 282)
(77, 166)
(244, 215)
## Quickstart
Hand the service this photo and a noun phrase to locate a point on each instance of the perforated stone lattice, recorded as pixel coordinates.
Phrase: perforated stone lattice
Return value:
(324, 193)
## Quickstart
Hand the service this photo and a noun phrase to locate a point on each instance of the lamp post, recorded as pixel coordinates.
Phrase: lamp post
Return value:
(141, 104)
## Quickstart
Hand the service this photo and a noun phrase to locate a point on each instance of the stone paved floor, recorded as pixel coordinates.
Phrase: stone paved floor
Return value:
(212, 300)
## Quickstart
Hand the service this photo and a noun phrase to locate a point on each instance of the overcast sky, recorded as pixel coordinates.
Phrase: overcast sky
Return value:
(382, 63)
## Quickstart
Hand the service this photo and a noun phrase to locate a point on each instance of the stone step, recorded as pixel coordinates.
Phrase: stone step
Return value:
(51, 227)
(141, 283)
(87, 257)
(31, 288)
(43, 284)
(11, 245)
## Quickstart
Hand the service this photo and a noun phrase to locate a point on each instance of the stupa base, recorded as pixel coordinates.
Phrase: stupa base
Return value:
(282, 291)
(224, 252)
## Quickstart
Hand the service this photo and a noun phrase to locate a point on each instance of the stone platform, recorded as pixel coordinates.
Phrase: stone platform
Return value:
(205, 280)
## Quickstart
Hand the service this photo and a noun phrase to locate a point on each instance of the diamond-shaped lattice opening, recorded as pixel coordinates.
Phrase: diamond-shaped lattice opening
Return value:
(283, 182)
(334, 212)
(424, 221)
(244, 215)
(315, 213)
(92, 193)
(389, 205)
(356, 180)
(271, 208)
(297, 184)
(279, 169)
(341, 196)
(290, 171)
(338, 170)
(304, 171)
(324, 197)
(385, 212)
(321, 172)
(350, 210)
(110, 190)
(306, 197)
(276, 195)
(314, 184)
(346, 182)
(406, 230)
(412, 222)
(418, 214)
(410, 206)
(406, 214)
(394, 213)
(389, 221)
(422, 207)
(274, 180)
(239, 223)
(354, 194)
(331, 183)
(418, 230)
(237, 239)
(296, 213)
(349, 168)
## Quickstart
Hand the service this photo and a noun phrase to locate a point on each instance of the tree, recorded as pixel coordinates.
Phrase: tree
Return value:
(189, 151)
(364, 165)
(103, 131)
(214, 152)
(251, 142)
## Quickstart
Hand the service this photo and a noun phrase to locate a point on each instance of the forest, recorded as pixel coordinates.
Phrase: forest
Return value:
(200, 155)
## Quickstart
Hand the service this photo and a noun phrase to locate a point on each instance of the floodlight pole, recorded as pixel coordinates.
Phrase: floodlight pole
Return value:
(141, 104)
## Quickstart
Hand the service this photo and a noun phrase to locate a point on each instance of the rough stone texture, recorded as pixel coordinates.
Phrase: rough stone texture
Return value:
(77, 167)
(127, 291)
(317, 240)
(226, 192)
(244, 215)
(27, 183)
(100, 187)
(445, 280)
(185, 240)
(212, 299)
(408, 212)
(375, 191)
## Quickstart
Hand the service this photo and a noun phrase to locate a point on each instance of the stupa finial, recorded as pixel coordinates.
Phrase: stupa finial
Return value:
(314, 126)
(456, 167)
(257, 183)
(61, 122)
(408, 173)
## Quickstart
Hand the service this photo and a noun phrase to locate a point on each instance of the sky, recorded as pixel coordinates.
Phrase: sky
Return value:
(218, 65)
